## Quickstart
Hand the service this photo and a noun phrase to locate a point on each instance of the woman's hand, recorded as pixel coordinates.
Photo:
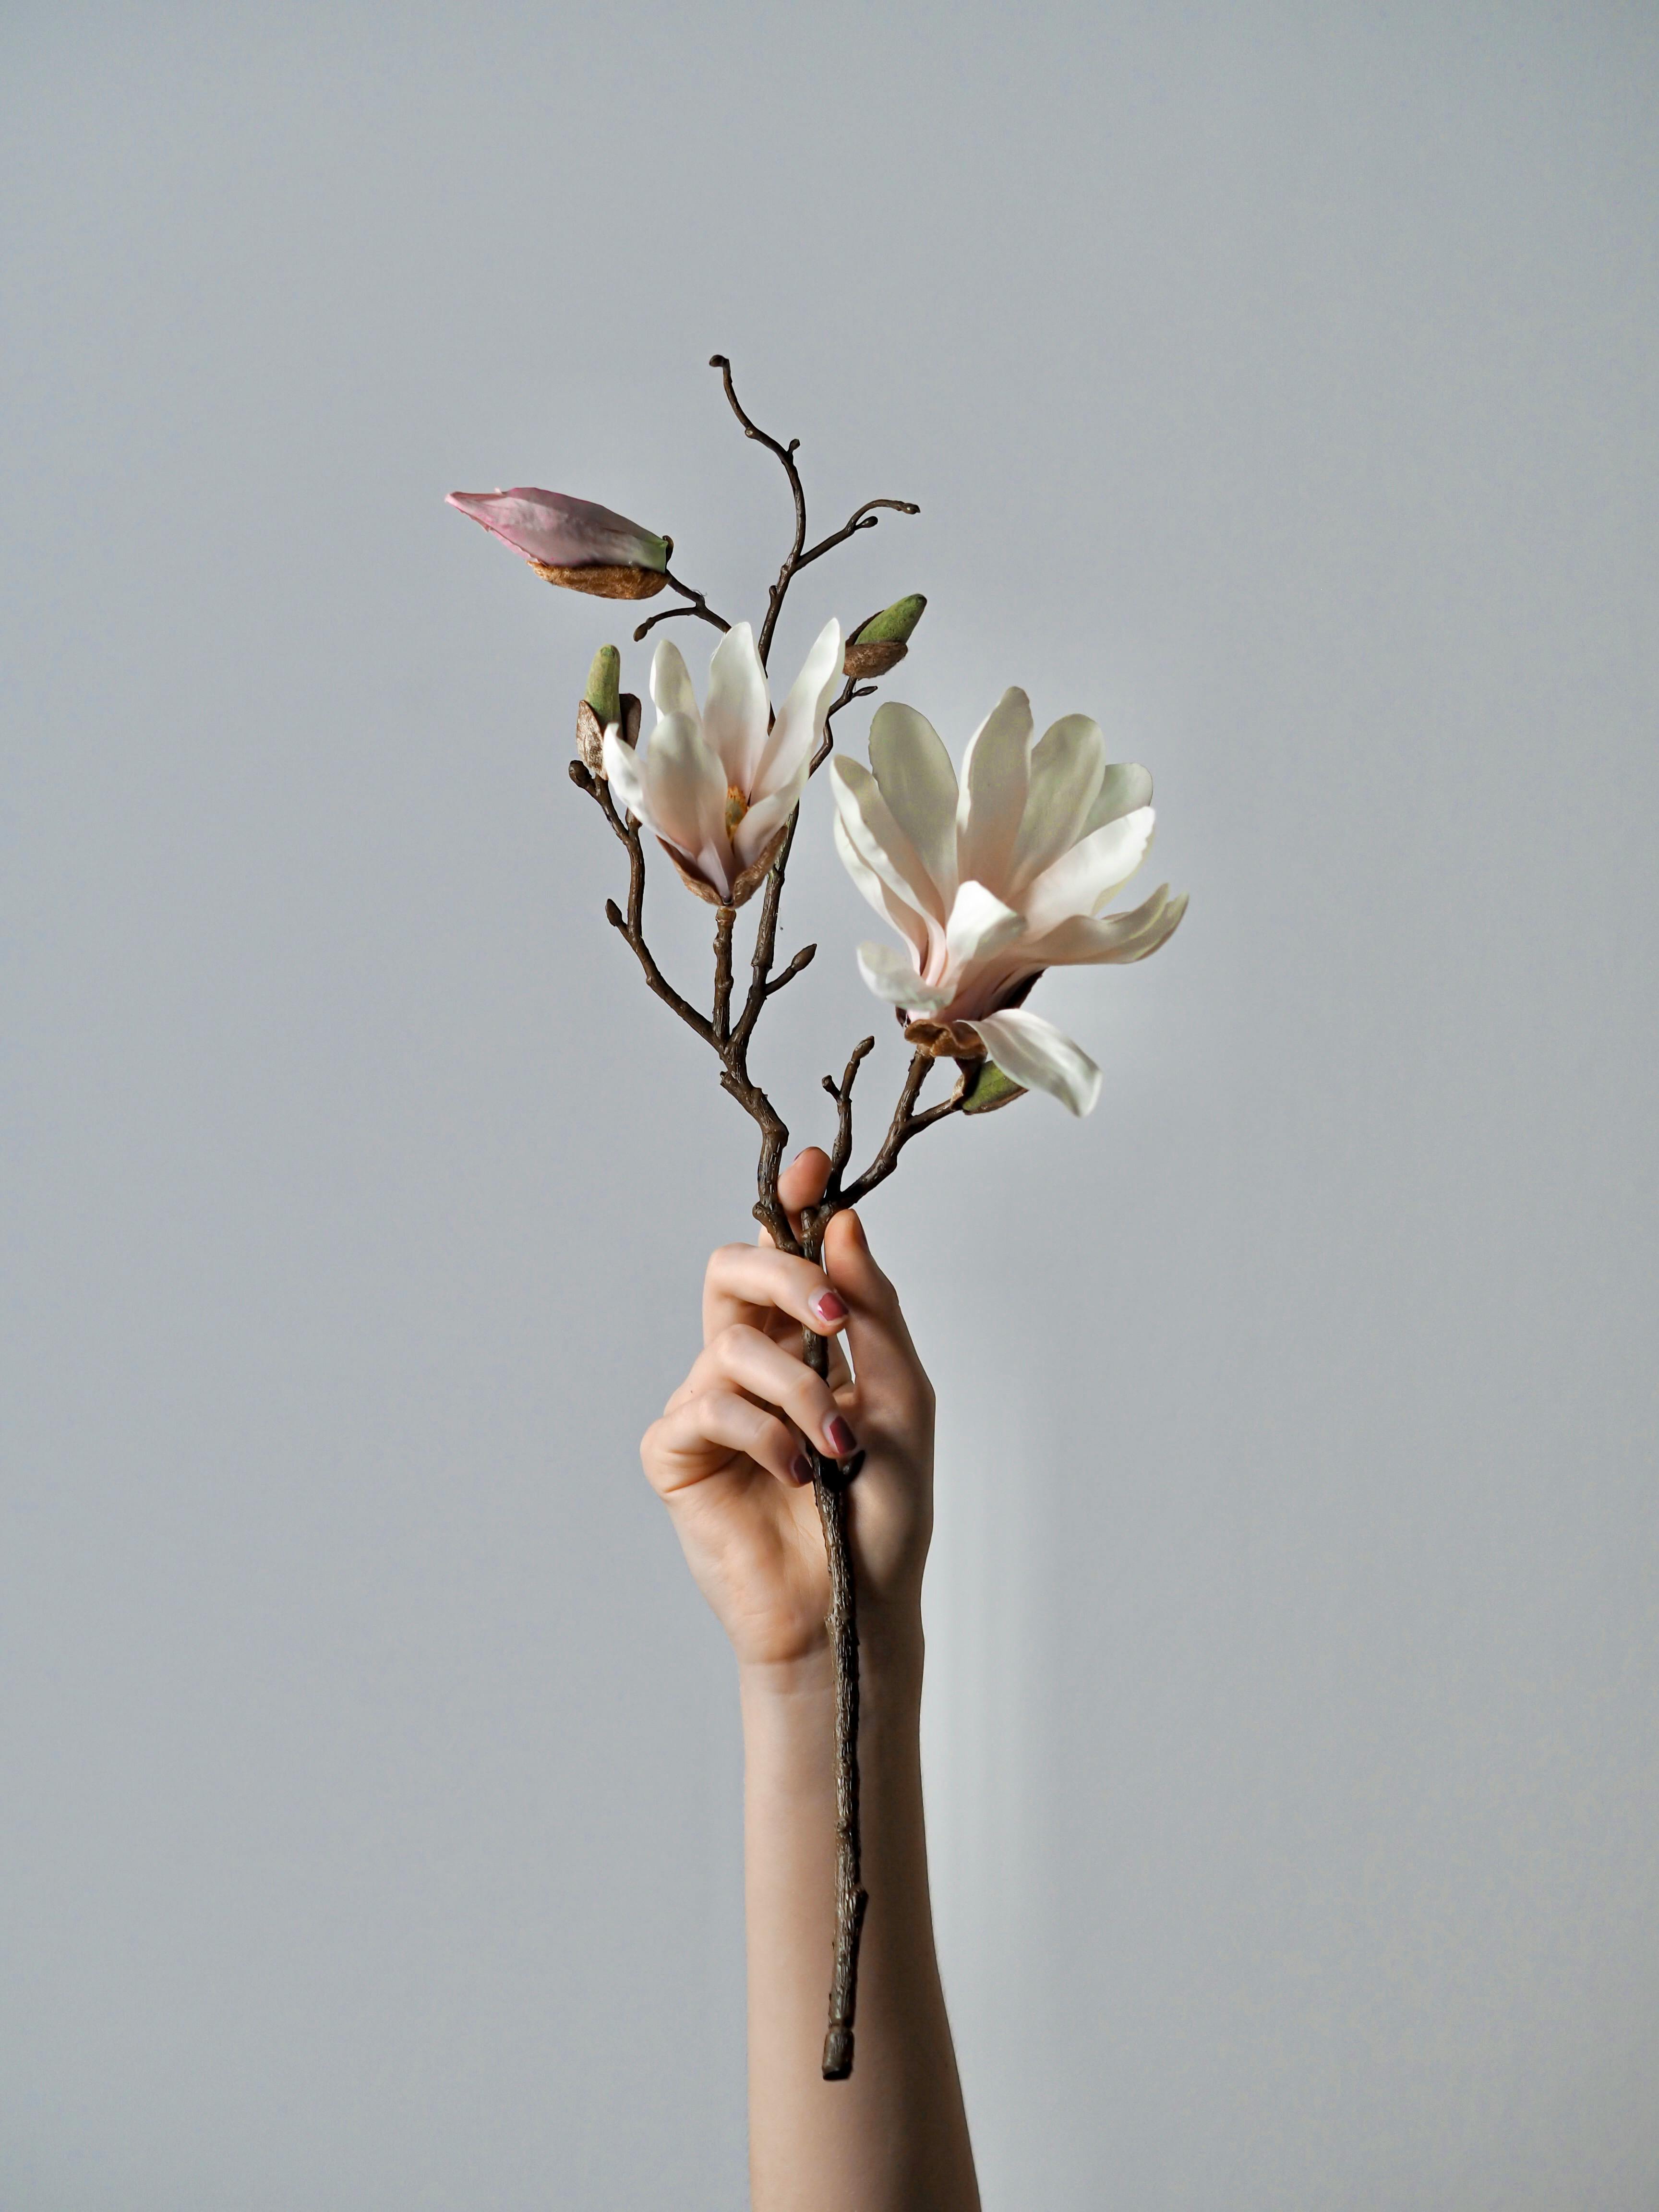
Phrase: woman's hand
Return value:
(727, 1456)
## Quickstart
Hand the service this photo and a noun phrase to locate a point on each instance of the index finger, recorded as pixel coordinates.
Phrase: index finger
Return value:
(749, 1283)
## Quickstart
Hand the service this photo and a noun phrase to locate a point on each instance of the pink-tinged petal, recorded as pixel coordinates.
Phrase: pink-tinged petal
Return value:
(736, 712)
(684, 795)
(910, 925)
(980, 925)
(563, 531)
(995, 773)
(919, 786)
(1041, 1058)
(671, 681)
(1068, 765)
(1125, 787)
(892, 977)
(800, 725)
(765, 818)
(1117, 939)
(878, 838)
(1082, 880)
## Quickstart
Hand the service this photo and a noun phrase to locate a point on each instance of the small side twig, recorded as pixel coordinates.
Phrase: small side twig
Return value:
(802, 959)
(699, 607)
(851, 689)
(865, 518)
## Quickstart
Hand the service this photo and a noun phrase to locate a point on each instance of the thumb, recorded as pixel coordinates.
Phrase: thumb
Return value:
(879, 1339)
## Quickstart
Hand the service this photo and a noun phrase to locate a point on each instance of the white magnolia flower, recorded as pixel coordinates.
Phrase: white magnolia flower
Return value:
(994, 881)
(719, 785)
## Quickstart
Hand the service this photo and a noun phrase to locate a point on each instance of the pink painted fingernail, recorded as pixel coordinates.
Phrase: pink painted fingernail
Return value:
(842, 1442)
(827, 1307)
(801, 1467)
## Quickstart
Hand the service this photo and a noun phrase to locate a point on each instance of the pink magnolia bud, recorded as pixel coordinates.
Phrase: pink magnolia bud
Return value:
(563, 537)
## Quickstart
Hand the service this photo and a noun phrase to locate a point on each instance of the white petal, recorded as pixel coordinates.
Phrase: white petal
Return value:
(1082, 880)
(902, 915)
(980, 925)
(878, 840)
(995, 770)
(893, 976)
(920, 785)
(671, 681)
(621, 770)
(1115, 938)
(1042, 1058)
(799, 725)
(685, 795)
(765, 818)
(1068, 765)
(1125, 787)
(736, 711)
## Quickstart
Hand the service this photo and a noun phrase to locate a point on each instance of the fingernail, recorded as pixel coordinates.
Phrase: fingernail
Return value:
(842, 1442)
(801, 1467)
(827, 1306)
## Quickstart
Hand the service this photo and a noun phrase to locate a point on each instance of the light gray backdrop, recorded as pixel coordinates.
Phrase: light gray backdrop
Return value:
(1278, 383)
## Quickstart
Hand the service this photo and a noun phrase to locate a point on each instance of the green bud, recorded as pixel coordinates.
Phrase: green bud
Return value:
(604, 686)
(894, 625)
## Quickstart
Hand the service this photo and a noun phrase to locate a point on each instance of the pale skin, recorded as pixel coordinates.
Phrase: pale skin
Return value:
(726, 1460)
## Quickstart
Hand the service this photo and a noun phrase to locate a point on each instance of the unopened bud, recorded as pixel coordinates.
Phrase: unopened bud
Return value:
(896, 623)
(883, 642)
(572, 542)
(625, 710)
(605, 684)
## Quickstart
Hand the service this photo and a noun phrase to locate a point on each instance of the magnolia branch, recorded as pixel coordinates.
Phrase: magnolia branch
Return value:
(730, 1041)
(796, 559)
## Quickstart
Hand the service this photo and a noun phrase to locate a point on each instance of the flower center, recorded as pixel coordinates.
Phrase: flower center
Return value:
(736, 807)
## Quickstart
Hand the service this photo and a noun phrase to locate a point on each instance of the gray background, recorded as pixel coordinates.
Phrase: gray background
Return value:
(1278, 383)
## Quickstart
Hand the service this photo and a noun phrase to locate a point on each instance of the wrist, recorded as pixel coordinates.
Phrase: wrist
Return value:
(890, 1658)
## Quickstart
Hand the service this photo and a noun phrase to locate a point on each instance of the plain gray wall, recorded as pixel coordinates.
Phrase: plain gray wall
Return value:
(1279, 384)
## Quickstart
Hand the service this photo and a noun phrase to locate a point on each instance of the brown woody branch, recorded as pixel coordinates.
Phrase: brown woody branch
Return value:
(731, 1042)
(797, 556)
(865, 518)
(726, 919)
(851, 689)
(699, 607)
(802, 959)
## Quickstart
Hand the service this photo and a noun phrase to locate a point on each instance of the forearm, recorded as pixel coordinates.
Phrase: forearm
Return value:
(893, 2138)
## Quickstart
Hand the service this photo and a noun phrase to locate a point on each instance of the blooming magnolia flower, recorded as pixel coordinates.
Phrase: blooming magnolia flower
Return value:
(719, 784)
(555, 531)
(992, 881)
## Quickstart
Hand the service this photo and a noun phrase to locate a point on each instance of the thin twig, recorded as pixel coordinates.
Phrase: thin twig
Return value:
(631, 925)
(786, 455)
(766, 939)
(699, 606)
(905, 1124)
(843, 1098)
(802, 959)
(864, 519)
(850, 691)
